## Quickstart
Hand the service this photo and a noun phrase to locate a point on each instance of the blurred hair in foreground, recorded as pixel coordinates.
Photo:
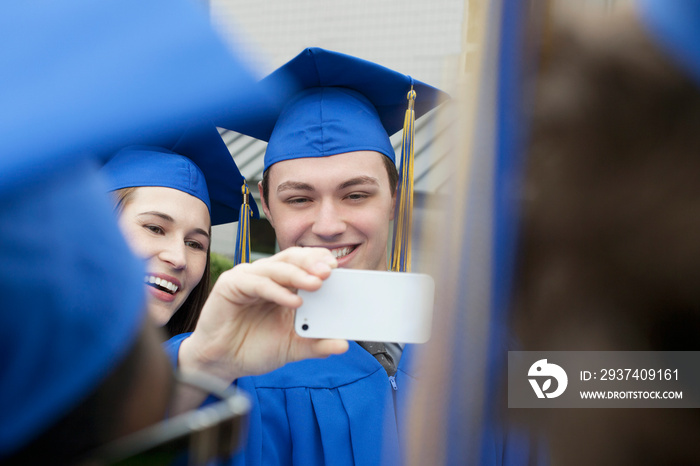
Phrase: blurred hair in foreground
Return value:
(603, 185)
(608, 255)
(457, 415)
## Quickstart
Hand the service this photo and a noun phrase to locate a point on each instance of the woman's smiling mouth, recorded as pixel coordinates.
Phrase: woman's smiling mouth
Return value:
(161, 284)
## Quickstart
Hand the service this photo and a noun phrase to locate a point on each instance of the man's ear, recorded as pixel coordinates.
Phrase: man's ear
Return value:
(392, 214)
(265, 207)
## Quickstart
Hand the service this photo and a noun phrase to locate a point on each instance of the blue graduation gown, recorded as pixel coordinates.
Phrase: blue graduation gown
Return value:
(342, 410)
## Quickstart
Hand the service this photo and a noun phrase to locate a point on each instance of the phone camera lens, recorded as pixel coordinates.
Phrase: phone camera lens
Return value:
(305, 327)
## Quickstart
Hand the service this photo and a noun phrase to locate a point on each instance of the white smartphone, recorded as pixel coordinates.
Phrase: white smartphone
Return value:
(369, 305)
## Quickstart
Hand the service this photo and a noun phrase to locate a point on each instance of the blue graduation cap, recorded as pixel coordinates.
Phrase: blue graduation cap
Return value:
(327, 103)
(72, 297)
(80, 79)
(81, 76)
(675, 24)
(198, 163)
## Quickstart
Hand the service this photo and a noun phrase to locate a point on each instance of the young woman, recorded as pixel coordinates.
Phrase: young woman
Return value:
(167, 201)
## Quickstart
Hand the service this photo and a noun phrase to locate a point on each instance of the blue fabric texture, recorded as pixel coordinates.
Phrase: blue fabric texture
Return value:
(675, 26)
(325, 121)
(197, 163)
(338, 410)
(326, 103)
(137, 166)
(172, 347)
(342, 410)
(72, 298)
(81, 79)
(92, 77)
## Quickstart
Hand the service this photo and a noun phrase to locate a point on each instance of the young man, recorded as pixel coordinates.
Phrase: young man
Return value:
(330, 182)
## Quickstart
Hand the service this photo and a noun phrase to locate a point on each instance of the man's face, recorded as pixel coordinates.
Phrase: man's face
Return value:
(342, 202)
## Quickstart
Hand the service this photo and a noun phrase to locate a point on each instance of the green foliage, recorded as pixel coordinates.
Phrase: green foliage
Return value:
(219, 264)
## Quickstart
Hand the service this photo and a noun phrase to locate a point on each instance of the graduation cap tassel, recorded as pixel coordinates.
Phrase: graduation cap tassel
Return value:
(403, 211)
(243, 237)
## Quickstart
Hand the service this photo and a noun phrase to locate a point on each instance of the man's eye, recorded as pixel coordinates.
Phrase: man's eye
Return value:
(297, 200)
(357, 196)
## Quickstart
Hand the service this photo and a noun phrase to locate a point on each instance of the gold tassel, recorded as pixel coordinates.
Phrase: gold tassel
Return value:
(403, 211)
(243, 237)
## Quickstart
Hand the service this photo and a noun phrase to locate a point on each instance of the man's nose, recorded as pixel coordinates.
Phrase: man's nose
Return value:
(329, 221)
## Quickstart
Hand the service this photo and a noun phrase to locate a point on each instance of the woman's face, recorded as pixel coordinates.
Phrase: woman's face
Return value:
(170, 229)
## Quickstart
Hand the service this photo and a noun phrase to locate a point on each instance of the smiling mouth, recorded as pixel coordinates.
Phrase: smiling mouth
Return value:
(161, 284)
(342, 252)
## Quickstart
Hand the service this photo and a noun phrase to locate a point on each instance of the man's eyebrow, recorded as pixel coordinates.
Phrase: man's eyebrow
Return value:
(297, 185)
(360, 180)
(168, 218)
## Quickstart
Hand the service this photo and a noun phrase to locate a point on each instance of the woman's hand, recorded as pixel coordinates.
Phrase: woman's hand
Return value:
(247, 324)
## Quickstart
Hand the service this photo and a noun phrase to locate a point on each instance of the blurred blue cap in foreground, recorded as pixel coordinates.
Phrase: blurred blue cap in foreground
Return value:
(72, 298)
(675, 25)
(78, 80)
(79, 77)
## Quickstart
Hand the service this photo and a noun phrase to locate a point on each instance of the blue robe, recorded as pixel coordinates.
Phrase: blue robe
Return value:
(342, 410)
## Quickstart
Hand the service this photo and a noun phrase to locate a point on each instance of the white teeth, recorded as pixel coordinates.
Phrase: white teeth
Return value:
(161, 282)
(341, 252)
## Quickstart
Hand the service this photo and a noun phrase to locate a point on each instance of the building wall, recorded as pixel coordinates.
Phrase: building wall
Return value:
(416, 37)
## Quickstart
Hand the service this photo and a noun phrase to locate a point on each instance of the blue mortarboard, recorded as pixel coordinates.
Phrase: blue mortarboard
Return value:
(72, 297)
(327, 103)
(198, 163)
(675, 24)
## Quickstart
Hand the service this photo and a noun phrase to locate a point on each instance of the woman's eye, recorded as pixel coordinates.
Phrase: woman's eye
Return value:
(154, 228)
(195, 245)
